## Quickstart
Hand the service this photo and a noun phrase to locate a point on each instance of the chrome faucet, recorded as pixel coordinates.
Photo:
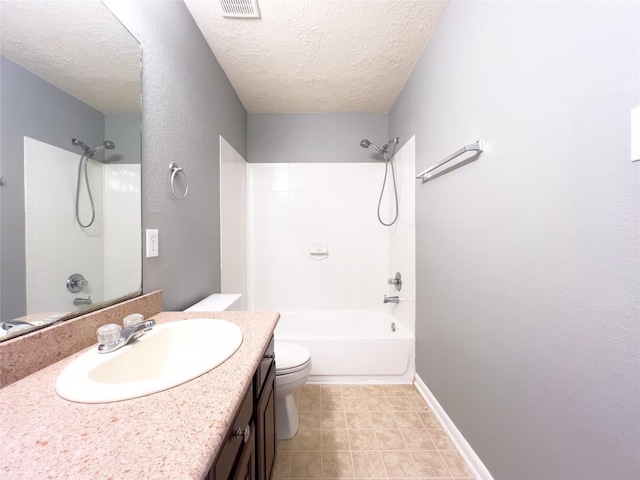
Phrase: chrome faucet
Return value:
(394, 299)
(82, 301)
(114, 336)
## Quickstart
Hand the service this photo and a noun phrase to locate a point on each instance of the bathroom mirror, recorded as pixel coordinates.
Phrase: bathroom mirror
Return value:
(70, 70)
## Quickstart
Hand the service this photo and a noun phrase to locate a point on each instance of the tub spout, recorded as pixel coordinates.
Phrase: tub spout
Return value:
(82, 301)
(394, 299)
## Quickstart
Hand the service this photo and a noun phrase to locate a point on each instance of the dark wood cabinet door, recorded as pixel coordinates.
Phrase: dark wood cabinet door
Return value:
(249, 449)
(266, 427)
(262, 371)
(226, 460)
(246, 469)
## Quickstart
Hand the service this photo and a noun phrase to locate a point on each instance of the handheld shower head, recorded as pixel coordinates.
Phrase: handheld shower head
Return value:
(108, 144)
(91, 152)
(388, 162)
(84, 159)
(366, 144)
(386, 145)
(78, 143)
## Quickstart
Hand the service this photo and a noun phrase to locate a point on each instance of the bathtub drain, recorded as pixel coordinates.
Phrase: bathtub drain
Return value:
(393, 326)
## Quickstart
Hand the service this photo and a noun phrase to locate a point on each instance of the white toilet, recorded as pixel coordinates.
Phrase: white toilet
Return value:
(293, 366)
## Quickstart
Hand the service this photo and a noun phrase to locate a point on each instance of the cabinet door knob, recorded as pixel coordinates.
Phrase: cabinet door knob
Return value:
(270, 355)
(244, 434)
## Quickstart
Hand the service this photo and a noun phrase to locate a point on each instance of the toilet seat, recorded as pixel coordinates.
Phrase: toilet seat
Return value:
(291, 358)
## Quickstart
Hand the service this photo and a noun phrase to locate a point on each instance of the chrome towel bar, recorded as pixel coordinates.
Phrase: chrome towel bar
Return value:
(474, 147)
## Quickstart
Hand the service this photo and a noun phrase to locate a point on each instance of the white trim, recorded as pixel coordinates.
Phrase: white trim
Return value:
(360, 379)
(468, 455)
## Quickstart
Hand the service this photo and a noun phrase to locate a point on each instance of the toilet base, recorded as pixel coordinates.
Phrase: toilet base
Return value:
(287, 419)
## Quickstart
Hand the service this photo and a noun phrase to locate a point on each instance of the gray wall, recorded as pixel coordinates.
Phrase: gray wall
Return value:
(314, 137)
(187, 103)
(34, 108)
(528, 260)
(123, 129)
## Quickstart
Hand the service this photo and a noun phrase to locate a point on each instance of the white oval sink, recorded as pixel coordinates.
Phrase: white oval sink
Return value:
(170, 354)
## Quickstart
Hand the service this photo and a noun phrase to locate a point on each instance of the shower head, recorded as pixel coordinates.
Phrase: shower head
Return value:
(91, 152)
(78, 143)
(108, 144)
(382, 151)
(366, 144)
(386, 145)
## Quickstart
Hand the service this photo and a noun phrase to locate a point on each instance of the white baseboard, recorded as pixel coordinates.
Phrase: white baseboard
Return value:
(469, 456)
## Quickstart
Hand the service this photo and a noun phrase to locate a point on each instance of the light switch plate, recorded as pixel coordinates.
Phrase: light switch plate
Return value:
(152, 242)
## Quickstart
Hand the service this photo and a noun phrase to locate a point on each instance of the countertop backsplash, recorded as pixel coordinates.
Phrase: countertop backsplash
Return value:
(27, 354)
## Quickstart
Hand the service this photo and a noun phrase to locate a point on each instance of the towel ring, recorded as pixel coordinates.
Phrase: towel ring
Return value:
(175, 169)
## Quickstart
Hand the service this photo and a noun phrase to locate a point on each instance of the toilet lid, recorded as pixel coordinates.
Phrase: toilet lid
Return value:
(290, 356)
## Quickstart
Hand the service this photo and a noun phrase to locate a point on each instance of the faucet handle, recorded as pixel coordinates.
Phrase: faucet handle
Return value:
(396, 281)
(109, 334)
(133, 319)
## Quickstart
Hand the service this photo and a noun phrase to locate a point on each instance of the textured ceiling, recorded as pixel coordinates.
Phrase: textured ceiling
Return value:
(78, 46)
(319, 55)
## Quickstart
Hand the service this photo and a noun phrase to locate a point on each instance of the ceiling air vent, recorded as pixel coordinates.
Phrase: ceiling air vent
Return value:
(240, 8)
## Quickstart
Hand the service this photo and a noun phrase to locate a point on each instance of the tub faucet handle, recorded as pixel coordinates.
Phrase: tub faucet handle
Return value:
(397, 281)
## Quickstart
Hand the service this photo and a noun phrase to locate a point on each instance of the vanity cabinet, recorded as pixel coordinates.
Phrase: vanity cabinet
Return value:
(248, 452)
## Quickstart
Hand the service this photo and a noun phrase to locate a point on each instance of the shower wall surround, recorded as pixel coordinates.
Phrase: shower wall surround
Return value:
(122, 211)
(293, 207)
(402, 235)
(56, 245)
(107, 253)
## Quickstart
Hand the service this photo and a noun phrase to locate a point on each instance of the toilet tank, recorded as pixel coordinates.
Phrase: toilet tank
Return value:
(218, 302)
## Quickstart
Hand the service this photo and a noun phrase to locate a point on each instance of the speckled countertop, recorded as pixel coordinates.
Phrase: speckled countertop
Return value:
(174, 434)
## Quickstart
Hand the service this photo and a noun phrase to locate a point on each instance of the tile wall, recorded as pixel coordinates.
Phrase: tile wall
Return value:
(402, 235)
(292, 209)
(56, 245)
(123, 236)
(295, 208)
(107, 253)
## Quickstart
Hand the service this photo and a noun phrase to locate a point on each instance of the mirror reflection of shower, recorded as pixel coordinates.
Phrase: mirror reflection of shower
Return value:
(388, 160)
(84, 159)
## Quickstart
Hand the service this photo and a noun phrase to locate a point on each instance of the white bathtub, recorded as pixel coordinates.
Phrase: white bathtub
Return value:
(352, 346)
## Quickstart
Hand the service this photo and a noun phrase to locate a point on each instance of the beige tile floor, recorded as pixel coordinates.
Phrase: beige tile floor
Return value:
(367, 432)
